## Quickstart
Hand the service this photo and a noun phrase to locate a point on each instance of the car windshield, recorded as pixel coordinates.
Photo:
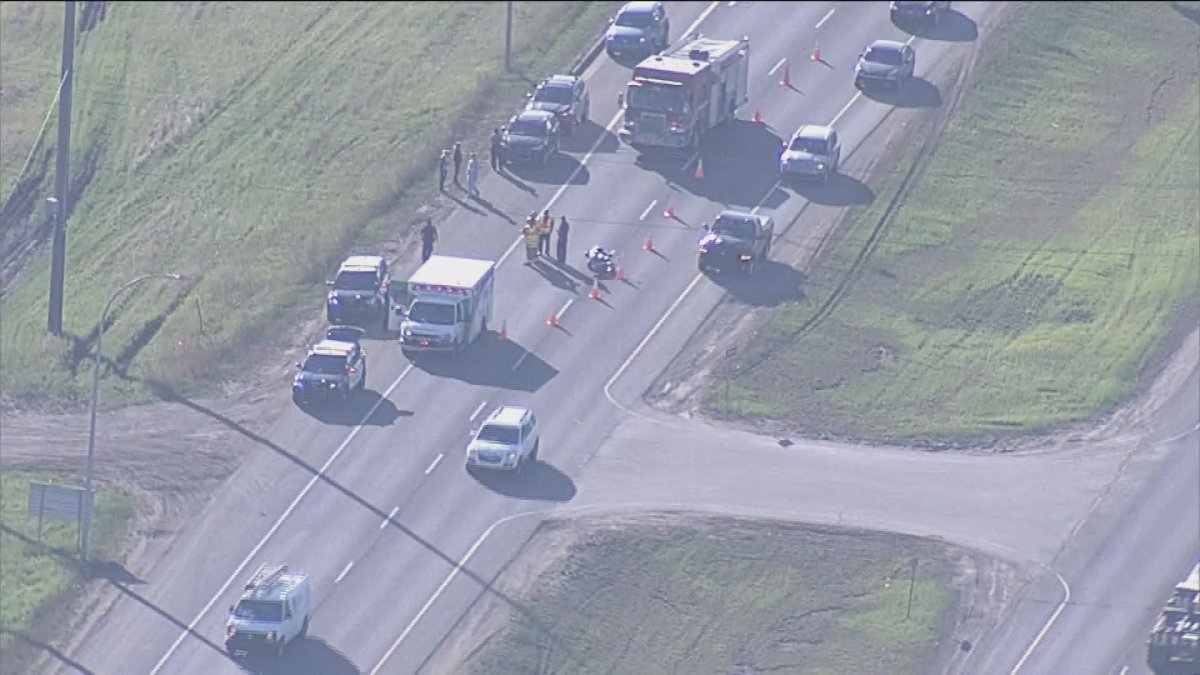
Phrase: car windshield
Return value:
(355, 281)
(884, 55)
(561, 95)
(527, 128)
(658, 99)
(633, 19)
(432, 313)
(259, 610)
(814, 146)
(325, 364)
(740, 228)
(494, 433)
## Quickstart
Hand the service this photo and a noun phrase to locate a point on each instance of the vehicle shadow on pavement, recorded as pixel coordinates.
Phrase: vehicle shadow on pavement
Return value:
(740, 163)
(589, 134)
(1190, 13)
(310, 656)
(561, 169)
(773, 283)
(351, 414)
(841, 190)
(489, 363)
(538, 481)
(954, 26)
(918, 93)
(165, 393)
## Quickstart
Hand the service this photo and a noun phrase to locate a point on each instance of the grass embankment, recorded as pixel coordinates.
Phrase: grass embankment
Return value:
(249, 145)
(731, 597)
(33, 576)
(1039, 265)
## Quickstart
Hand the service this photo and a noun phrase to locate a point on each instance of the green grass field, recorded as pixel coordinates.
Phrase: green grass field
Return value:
(730, 597)
(1041, 265)
(34, 576)
(248, 145)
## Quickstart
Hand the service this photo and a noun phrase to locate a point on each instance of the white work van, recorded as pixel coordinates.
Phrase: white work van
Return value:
(445, 305)
(274, 610)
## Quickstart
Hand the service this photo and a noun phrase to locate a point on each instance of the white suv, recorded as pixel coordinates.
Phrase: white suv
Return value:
(508, 439)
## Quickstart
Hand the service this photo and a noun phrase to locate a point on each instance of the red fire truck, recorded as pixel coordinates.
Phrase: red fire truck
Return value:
(674, 99)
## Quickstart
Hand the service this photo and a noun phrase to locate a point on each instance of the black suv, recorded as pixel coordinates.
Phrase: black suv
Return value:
(927, 12)
(359, 294)
(736, 241)
(333, 368)
(566, 96)
(531, 136)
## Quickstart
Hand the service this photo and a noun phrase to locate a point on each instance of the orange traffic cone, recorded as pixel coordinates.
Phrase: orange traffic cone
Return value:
(620, 274)
(649, 245)
(504, 331)
(594, 294)
(670, 212)
(757, 117)
(699, 175)
(816, 52)
(553, 320)
(787, 76)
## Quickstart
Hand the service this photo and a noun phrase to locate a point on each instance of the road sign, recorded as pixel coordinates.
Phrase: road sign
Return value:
(60, 502)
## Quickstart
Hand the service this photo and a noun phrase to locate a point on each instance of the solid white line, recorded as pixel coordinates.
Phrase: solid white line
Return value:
(595, 146)
(477, 411)
(777, 66)
(279, 522)
(345, 570)
(1045, 629)
(563, 310)
(436, 460)
(1124, 670)
(824, 19)
(647, 211)
(387, 520)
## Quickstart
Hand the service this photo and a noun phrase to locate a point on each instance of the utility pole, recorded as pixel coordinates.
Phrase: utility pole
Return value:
(508, 37)
(62, 171)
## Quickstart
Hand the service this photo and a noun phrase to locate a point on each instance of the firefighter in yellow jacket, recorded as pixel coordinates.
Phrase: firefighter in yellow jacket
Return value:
(531, 234)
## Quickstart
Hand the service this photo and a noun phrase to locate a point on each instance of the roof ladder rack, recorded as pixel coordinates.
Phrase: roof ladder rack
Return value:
(266, 575)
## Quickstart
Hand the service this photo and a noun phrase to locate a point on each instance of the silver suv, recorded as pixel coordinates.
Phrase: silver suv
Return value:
(814, 152)
(508, 440)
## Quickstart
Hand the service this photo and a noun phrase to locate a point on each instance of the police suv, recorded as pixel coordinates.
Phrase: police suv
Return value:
(273, 611)
(359, 294)
(333, 368)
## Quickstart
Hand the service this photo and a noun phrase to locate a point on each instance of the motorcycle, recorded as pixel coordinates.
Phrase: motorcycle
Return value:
(601, 263)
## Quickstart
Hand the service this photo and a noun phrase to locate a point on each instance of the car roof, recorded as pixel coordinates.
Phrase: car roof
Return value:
(559, 81)
(813, 131)
(739, 215)
(535, 115)
(332, 348)
(362, 261)
(639, 7)
(887, 45)
(508, 416)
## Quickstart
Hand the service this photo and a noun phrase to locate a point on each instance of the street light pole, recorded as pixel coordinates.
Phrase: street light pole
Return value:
(86, 526)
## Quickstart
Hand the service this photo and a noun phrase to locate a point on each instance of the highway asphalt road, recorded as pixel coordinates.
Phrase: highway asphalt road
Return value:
(373, 502)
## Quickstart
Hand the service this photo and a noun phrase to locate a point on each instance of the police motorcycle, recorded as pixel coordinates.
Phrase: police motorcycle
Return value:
(601, 262)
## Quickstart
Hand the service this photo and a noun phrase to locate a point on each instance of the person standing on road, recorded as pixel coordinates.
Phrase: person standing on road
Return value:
(429, 236)
(545, 229)
(564, 231)
(457, 161)
(530, 235)
(473, 176)
(443, 167)
(497, 148)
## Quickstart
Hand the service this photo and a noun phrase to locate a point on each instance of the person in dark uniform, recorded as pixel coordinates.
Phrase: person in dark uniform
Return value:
(564, 231)
(457, 161)
(497, 148)
(429, 236)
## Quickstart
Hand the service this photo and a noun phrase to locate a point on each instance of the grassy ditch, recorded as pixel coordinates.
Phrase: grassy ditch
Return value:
(721, 597)
(1041, 265)
(34, 576)
(246, 144)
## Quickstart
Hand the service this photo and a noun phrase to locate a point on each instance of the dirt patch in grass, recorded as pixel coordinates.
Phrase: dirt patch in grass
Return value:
(249, 146)
(39, 576)
(1037, 273)
(675, 593)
